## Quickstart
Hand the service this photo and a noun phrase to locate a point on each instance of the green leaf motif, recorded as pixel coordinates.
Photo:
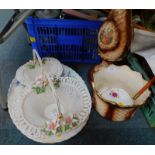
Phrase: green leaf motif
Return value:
(39, 90)
(31, 66)
(74, 124)
(50, 133)
(76, 118)
(67, 127)
(56, 82)
(43, 61)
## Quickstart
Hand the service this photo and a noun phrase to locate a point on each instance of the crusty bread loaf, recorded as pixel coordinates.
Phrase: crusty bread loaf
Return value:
(122, 20)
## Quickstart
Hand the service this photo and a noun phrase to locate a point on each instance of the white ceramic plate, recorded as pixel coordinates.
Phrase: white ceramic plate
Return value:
(29, 113)
(27, 76)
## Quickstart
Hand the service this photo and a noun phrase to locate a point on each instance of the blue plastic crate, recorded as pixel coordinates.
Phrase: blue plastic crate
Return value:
(67, 40)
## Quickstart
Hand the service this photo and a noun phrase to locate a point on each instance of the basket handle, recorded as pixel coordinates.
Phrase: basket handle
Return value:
(54, 93)
(36, 56)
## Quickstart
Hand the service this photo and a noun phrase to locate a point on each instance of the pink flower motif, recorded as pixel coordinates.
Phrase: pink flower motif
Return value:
(68, 119)
(38, 83)
(39, 78)
(52, 126)
(114, 94)
(107, 40)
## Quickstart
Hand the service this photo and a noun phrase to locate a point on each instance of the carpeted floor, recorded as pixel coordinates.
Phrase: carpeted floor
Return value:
(14, 53)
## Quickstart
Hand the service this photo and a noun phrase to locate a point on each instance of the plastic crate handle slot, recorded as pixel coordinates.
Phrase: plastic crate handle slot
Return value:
(70, 40)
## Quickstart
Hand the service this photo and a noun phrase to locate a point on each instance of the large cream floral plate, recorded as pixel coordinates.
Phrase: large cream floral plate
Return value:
(29, 111)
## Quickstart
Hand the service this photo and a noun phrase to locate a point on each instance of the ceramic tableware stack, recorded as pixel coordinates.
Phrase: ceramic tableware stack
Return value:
(48, 101)
(114, 86)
